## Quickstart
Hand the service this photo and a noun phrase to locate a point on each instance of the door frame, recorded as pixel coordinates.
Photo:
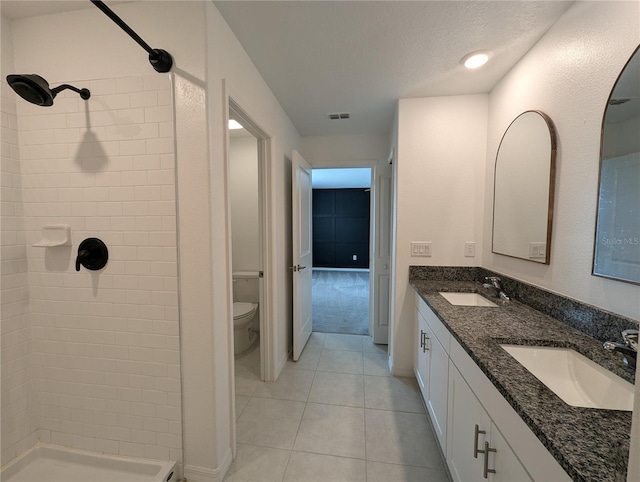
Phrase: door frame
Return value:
(373, 308)
(265, 217)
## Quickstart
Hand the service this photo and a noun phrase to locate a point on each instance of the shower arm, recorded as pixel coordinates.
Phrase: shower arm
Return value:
(159, 59)
(84, 93)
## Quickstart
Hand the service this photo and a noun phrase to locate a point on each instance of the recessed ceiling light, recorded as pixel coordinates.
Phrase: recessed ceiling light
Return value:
(475, 59)
(234, 124)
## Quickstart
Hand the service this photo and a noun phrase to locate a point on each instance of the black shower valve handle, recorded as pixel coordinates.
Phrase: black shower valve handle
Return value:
(81, 256)
(92, 254)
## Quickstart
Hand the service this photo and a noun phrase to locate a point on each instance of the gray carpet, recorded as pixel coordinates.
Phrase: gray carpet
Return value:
(341, 302)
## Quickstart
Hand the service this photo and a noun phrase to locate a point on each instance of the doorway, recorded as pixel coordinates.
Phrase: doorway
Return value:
(248, 199)
(342, 227)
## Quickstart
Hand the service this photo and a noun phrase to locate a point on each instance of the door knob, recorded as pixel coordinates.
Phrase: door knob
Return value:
(297, 268)
(92, 254)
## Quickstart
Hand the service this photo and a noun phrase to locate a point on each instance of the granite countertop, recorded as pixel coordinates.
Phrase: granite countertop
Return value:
(590, 444)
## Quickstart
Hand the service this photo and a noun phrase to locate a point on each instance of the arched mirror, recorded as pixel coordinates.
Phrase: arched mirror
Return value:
(617, 241)
(523, 188)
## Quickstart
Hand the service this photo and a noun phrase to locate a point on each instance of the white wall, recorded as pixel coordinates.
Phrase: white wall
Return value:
(439, 196)
(19, 409)
(243, 193)
(569, 75)
(105, 344)
(206, 55)
(231, 73)
(179, 28)
(319, 150)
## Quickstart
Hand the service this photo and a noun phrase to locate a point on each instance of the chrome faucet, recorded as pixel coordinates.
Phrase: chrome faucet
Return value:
(629, 348)
(495, 283)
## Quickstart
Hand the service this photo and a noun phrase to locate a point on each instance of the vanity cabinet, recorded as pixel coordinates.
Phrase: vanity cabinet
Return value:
(459, 396)
(476, 450)
(431, 367)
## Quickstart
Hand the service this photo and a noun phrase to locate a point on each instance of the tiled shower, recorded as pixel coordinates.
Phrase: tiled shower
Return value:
(91, 359)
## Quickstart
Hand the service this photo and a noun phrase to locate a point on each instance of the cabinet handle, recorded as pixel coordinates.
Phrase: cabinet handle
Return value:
(487, 470)
(423, 341)
(476, 450)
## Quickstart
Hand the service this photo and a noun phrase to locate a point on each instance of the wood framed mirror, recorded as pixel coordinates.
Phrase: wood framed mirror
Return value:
(524, 181)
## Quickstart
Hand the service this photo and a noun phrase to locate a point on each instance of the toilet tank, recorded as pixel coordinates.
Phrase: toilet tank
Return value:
(245, 286)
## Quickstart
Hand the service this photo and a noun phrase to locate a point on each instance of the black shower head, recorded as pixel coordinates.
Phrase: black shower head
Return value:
(35, 89)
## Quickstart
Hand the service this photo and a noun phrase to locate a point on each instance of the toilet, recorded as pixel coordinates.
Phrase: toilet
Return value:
(243, 335)
(245, 307)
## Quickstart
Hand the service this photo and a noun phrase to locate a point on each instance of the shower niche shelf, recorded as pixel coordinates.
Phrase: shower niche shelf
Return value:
(54, 235)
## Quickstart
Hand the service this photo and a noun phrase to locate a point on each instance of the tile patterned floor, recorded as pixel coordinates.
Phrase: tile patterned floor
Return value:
(335, 415)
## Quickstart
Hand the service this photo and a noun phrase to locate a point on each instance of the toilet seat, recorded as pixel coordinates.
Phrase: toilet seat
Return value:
(242, 309)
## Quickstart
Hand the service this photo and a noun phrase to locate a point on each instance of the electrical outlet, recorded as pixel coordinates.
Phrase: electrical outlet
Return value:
(420, 248)
(470, 249)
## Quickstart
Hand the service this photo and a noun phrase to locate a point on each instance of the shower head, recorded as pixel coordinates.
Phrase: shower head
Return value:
(35, 89)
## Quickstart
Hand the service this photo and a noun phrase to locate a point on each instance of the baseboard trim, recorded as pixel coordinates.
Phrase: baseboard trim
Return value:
(400, 372)
(202, 474)
(281, 364)
(354, 270)
(226, 463)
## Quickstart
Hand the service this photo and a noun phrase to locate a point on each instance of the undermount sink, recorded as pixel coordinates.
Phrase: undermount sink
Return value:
(577, 380)
(466, 299)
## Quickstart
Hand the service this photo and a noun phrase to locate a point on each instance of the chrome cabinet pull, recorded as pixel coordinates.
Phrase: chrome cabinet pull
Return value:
(486, 470)
(421, 339)
(476, 450)
(424, 346)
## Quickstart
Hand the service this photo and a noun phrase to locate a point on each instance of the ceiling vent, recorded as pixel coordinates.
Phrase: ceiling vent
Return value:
(341, 115)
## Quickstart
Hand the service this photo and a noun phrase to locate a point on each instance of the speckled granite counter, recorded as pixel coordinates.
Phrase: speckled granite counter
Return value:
(590, 444)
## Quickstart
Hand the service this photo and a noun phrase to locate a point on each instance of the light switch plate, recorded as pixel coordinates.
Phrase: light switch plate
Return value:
(470, 249)
(420, 249)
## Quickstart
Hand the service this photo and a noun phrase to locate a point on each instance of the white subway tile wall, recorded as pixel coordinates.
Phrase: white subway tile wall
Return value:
(19, 412)
(105, 345)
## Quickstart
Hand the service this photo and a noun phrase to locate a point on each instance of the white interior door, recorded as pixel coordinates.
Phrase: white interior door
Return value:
(302, 252)
(382, 260)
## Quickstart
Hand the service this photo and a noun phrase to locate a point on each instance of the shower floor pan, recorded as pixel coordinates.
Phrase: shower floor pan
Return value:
(53, 463)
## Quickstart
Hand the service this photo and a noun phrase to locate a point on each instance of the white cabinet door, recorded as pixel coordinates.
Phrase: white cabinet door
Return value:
(464, 440)
(438, 387)
(504, 461)
(422, 356)
(476, 449)
(431, 365)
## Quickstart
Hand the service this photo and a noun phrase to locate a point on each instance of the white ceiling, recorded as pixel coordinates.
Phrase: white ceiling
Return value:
(320, 57)
(15, 9)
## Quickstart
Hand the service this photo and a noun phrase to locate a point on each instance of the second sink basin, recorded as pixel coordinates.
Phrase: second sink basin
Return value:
(466, 299)
(577, 380)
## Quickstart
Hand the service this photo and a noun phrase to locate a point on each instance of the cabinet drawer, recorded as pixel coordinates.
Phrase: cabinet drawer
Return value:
(441, 332)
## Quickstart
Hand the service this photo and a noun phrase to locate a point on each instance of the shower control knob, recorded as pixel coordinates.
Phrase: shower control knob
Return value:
(92, 254)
